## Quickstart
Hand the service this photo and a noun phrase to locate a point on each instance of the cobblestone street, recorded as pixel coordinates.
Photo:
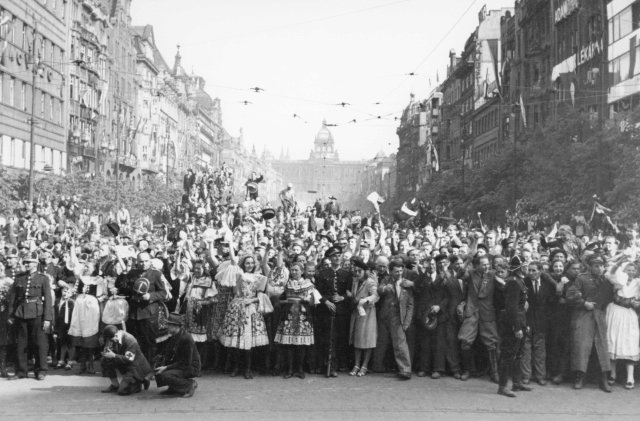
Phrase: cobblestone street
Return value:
(314, 398)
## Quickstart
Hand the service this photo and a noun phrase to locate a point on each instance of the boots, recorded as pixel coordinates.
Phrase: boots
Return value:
(579, 383)
(604, 384)
(90, 368)
(3, 362)
(300, 373)
(289, 372)
(493, 362)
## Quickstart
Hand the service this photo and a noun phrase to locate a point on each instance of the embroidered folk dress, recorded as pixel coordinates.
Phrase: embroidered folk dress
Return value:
(198, 306)
(296, 325)
(244, 327)
(225, 282)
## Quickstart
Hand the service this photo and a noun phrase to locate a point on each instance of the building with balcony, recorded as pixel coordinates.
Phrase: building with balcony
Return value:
(25, 24)
(86, 143)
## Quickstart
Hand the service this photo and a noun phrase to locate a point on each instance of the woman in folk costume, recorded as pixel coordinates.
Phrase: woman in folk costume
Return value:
(244, 327)
(363, 332)
(295, 330)
(197, 291)
(623, 333)
(277, 278)
(85, 320)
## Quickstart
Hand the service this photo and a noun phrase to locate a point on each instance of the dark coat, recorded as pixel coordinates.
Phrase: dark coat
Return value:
(514, 314)
(429, 293)
(140, 309)
(455, 295)
(390, 303)
(129, 359)
(480, 293)
(182, 354)
(540, 304)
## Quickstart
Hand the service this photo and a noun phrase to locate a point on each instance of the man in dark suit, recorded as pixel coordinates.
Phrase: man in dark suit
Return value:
(456, 291)
(431, 301)
(181, 361)
(540, 295)
(395, 318)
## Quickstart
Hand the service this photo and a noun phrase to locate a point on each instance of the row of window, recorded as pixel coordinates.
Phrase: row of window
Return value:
(620, 67)
(624, 22)
(485, 123)
(17, 94)
(15, 153)
(19, 33)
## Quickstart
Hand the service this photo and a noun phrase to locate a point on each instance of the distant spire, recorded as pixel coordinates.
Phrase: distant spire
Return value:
(177, 62)
(281, 153)
(287, 156)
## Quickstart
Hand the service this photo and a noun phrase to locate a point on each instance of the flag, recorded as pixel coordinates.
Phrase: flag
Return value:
(406, 210)
(376, 200)
(599, 209)
(523, 112)
(435, 163)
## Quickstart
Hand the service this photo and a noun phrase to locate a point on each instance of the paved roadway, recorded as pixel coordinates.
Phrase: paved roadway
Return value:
(375, 397)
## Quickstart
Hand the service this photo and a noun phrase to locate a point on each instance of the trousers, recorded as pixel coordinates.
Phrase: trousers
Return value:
(534, 356)
(31, 336)
(177, 380)
(390, 330)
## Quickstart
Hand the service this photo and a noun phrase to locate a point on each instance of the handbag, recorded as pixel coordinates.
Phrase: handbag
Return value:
(264, 304)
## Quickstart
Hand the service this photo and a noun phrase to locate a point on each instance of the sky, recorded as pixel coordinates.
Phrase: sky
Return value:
(311, 55)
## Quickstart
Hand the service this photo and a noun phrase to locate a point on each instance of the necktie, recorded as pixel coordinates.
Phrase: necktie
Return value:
(537, 287)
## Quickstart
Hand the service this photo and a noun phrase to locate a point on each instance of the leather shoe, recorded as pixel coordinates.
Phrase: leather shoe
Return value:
(521, 388)
(557, 379)
(404, 376)
(457, 375)
(604, 384)
(191, 391)
(146, 383)
(435, 375)
(41, 376)
(16, 377)
(506, 392)
(421, 374)
(464, 376)
(579, 383)
(542, 382)
(333, 374)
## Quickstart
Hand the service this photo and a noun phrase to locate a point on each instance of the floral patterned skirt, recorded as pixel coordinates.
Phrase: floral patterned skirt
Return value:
(217, 311)
(243, 326)
(295, 327)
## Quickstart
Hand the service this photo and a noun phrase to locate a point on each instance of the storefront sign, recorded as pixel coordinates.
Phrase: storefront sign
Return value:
(588, 52)
(565, 9)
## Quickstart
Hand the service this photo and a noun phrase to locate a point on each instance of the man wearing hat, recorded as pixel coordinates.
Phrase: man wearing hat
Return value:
(590, 294)
(181, 361)
(122, 355)
(30, 310)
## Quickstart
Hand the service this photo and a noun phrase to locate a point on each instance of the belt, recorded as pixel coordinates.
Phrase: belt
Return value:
(35, 300)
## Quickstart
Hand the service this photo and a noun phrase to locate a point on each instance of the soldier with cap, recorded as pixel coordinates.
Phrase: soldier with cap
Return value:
(122, 355)
(180, 362)
(590, 295)
(30, 309)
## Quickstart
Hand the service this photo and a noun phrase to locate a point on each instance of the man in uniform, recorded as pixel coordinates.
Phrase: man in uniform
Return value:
(11, 269)
(122, 355)
(31, 311)
(513, 328)
(145, 292)
(590, 294)
(181, 361)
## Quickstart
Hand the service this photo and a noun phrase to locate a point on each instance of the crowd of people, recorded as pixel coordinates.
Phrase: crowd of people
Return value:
(247, 287)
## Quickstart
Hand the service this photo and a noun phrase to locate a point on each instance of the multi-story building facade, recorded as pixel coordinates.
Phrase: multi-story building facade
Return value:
(622, 55)
(87, 84)
(413, 168)
(579, 52)
(33, 38)
(485, 118)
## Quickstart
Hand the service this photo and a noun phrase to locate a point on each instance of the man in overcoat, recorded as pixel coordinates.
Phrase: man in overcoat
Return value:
(590, 294)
